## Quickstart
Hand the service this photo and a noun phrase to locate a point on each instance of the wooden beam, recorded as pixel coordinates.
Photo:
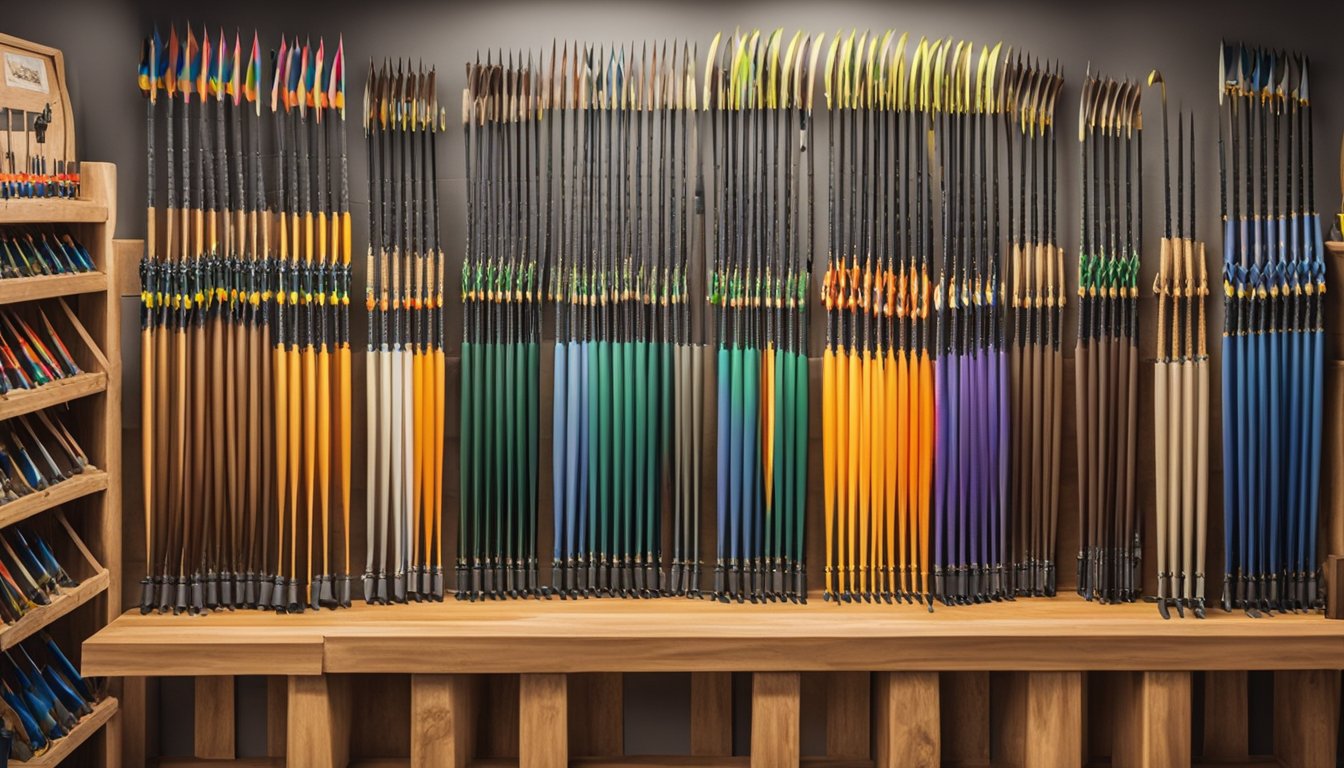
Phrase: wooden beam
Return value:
(319, 722)
(906, 716)
(517, 636)
(776, 706)
(543, 735)
(1226, 723)
(443, 720)
(214, 726)
(1152, 720)
(848, 714)
(596, 714)
(963, 707)
(1306, 717)
(711, 714)
(1040, 719)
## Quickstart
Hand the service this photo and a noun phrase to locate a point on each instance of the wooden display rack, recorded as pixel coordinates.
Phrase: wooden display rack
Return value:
(540, 683)
(86, 507)
(537, 683)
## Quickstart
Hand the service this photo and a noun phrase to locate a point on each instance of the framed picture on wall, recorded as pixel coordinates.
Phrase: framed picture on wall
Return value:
(33, 81)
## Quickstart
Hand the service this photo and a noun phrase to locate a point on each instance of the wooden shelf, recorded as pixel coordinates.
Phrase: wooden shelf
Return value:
(91, 480)
(53, 211)
(685, 635)
(61, 604)
(16, 289)
(63, 748)
(20, 401)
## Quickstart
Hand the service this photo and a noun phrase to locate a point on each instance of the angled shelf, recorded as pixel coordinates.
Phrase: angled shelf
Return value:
(67, 601)
(17, 289)
(20, 401)
(53, 211)
(91, 480)
(90, 725)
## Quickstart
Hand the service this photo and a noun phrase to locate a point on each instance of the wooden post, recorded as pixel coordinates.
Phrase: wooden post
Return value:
(135, 730)
(1040, 719)
(963, 707)
(277, 715)
(543, 734)
(775, 711)
(319, 722)
(1334, 586)
(443, 720)
(1226, 723)
(847, 714)
(497, 728)
(1152, 720)
(906, 720)
(214, 717)
(596, 714)
(1306, 717)
(711, 714)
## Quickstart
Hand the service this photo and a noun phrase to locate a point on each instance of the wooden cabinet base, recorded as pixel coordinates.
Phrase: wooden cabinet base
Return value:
(318, 735)
(1306, 718)
(776, 706)
(443, 721)
(543, 726)
(906, 720)
(1152, 720)
(1040, 719)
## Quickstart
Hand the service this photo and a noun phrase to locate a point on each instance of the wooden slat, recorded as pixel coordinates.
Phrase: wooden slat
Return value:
(775, 710)
(443, 720)
(543, 735)
(1226, 725)
(1306, 717)
(674, 761)
(963, 704)
(1039, 720)
(81, 485)
(17, 402)
(196, 762)
(272, 646)
(61, 604)
(16, 289)
(669, 636)
(53, 211)
(906, 720)
(596, 714)
(82, 732)
(847, 714)
(214, 726)
(319, 721)
(1152, 720)
(711, 714)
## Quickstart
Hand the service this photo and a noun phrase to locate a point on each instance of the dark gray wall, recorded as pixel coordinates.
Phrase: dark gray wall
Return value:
(101, 38)
(101, 42)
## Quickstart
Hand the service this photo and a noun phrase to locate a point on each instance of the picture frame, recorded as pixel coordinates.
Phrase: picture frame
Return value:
(33, 78)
